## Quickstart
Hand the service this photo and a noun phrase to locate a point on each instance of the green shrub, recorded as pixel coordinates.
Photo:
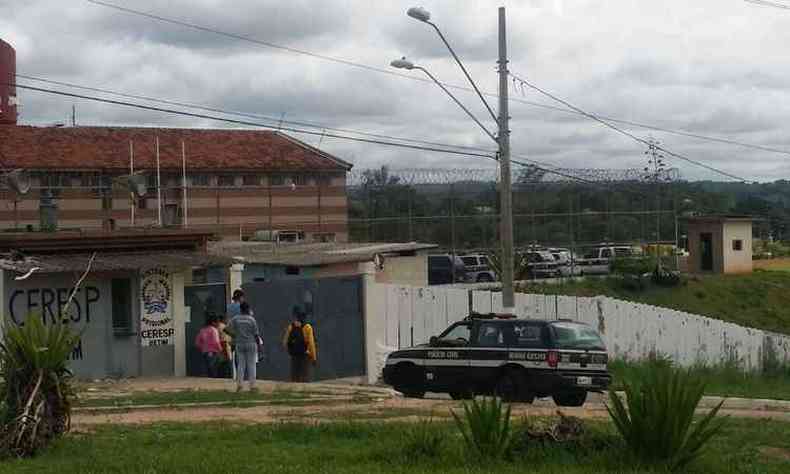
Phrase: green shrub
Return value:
(666, 277)
(657, 418)
(636, 266)
(423, 440)
(36, 387)
(486, 428)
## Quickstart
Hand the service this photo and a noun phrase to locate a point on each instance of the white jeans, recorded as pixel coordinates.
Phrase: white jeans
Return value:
(246, 364)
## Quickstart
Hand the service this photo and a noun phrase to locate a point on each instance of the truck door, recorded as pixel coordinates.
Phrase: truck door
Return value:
(489, 351)
(447, 360)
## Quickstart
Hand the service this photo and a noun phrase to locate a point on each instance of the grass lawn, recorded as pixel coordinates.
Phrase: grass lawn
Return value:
(759, 300)
(746, 446)
(721, 381)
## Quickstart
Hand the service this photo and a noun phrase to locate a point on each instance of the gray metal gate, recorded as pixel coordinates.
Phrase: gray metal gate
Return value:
(201, 300)
(335, 311)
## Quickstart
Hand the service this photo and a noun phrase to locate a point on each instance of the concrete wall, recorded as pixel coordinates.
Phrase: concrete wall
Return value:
(232, 212)
(404, 271)
(397, 270)
(737, 261)
(101, 352)
(399, 316)
(405, 316)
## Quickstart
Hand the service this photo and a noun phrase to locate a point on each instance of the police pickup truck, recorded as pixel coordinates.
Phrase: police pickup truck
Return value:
(515, 359)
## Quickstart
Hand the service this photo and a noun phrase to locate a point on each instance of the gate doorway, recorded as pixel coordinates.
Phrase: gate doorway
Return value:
(201, 299)
(706, 251)
(334, 307)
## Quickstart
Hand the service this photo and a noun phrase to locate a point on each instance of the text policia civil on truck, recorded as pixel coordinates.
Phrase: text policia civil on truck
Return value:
(156, 315)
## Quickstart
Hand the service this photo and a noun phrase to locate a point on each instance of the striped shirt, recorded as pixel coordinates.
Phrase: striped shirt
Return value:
(244, 329)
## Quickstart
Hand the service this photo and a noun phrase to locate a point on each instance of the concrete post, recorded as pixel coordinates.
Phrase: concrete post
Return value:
(235, 278)
(179, 325)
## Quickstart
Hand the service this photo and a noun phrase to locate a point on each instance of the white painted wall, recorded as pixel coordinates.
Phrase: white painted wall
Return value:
(408, 316)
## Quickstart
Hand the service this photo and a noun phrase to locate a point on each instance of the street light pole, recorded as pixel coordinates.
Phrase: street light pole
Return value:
(502, 139)
(506, 192)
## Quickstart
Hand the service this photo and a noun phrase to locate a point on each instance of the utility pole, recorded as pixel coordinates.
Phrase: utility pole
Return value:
(654, 170)
(505, 194)
(502, 139)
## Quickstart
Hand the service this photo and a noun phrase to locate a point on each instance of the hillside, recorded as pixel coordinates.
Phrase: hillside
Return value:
(760, 300)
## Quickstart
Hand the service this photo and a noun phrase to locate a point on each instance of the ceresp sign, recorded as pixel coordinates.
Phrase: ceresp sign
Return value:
(156, 317)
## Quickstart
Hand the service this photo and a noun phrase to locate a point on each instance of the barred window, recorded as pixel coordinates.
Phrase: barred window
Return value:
(200, 180)
(251, 180)
(226, 180)
(277, 180)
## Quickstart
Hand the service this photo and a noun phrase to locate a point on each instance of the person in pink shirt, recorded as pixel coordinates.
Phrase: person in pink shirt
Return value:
(209, 344)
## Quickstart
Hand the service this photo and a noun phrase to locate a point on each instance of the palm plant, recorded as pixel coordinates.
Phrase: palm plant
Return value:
(657, 419)
(486, 428)
(36, 390)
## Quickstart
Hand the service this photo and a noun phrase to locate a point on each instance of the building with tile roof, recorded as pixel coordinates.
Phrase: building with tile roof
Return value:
(238, 182)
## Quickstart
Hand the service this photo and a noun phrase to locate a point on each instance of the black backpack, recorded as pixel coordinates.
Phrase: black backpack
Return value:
(297, 346)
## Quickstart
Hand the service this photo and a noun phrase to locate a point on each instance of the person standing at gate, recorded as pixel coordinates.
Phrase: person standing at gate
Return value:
(299, 341)
(233, 310)
(226, 366)
(208, 343)
(245, 336)
(234, 307)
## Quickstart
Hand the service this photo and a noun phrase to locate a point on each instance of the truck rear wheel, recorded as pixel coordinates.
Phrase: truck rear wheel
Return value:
(570, 399)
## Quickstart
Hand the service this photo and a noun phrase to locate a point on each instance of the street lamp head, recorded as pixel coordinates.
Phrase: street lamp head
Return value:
(402, 63)
(419, 13)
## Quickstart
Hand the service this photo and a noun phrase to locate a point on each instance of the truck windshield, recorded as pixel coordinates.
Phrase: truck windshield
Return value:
(577, 336)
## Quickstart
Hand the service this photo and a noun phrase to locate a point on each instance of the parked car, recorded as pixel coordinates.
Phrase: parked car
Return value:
(541, 264)
(446, 269)
(478, 268)
(516, 359)
(597, 260)
(566, 261)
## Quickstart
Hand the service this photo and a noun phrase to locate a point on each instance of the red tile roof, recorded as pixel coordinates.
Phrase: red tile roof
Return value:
(107, 148)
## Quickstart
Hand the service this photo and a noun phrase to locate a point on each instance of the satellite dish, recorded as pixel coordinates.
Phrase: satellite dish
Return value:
(135, 183)
(378, 261)
(18, 181)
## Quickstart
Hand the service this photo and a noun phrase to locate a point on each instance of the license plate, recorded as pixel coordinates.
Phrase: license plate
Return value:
(583, 380)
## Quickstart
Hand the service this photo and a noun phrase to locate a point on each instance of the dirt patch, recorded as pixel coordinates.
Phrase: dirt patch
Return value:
(776, 453)
(772, 264)
(322, 402)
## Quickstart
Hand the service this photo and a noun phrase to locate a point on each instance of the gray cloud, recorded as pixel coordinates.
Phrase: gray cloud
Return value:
(710, 67)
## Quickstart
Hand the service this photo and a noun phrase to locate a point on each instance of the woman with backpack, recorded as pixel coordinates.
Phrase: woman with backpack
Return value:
(299, 341)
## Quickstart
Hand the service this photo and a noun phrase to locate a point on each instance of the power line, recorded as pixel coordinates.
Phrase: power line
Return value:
(358, 65)
(542, 166)
(244, 122)
(245, 114)
(531, 163)
(624, 132)
(765, 3)
(528, 163)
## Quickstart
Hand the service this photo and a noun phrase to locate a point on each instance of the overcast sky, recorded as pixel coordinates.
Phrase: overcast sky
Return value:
(712, 67)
